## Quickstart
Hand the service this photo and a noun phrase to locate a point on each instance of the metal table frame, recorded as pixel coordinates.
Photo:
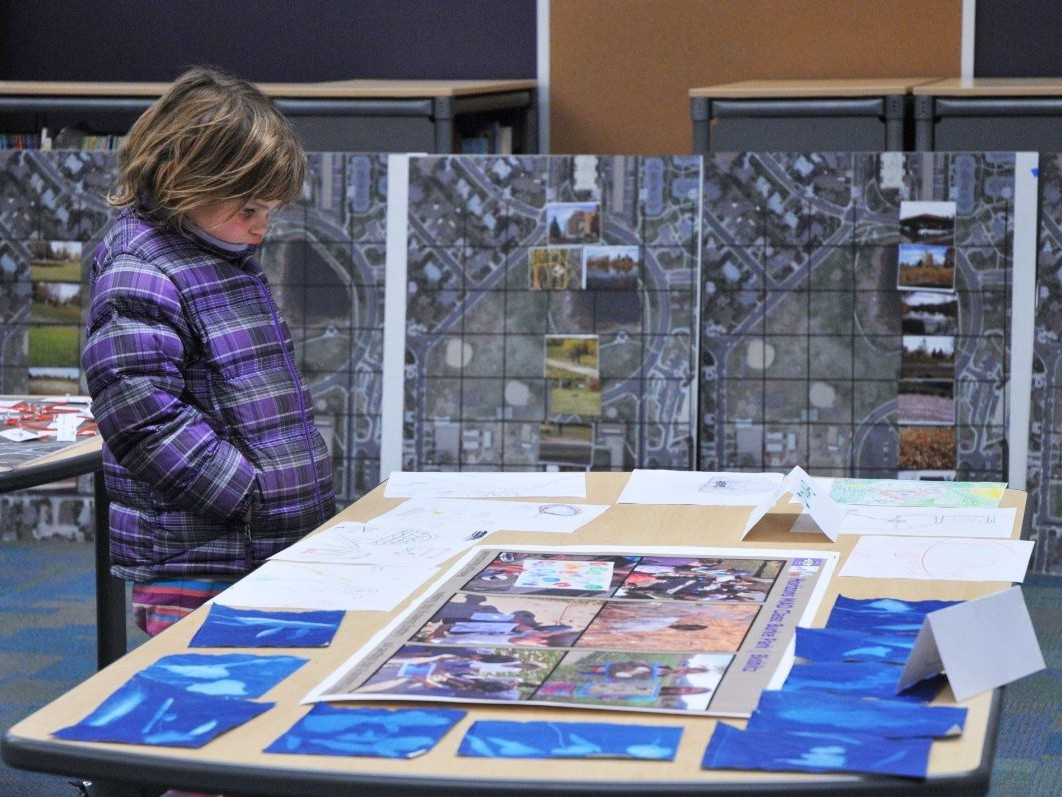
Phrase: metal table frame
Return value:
(110, 591)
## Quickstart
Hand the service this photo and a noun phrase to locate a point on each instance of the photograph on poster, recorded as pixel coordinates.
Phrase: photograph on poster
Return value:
(555, 268)
(929, 313)
(675, 630)
(613, 268)
(574, 222)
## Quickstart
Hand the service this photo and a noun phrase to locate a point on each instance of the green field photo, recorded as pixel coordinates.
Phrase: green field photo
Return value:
(573, 374)
(54, 347)
(56, 302)
(55, 261)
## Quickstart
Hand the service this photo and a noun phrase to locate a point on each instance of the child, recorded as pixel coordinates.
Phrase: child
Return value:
(211, 457)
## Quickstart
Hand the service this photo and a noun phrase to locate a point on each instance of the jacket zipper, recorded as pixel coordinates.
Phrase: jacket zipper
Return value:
(296, 380)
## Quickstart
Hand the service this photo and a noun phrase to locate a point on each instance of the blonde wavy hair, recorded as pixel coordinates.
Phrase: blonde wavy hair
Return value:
(209, 138)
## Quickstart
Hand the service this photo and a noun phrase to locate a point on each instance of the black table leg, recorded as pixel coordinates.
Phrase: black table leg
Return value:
(110, 591)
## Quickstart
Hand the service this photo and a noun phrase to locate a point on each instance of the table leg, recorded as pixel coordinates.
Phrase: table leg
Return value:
(443, 119)
(700, 114)
(110, 591)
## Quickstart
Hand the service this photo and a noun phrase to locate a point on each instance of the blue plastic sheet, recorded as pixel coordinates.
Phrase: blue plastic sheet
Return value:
(226, 627)
(817, 751)
(151, 712)
(500, 739)
(368, 732)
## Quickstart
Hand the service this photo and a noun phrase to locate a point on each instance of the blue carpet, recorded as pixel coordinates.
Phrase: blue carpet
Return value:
(48, 644)
(47, 640)
(1029, 751)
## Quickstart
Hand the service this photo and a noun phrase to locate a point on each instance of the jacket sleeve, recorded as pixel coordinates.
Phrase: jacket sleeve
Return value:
(136, 342)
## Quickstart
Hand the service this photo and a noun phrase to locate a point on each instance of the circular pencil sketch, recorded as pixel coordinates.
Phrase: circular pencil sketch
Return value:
(563, 510)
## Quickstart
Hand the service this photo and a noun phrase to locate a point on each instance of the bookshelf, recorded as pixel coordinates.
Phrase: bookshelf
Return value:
(433, 116)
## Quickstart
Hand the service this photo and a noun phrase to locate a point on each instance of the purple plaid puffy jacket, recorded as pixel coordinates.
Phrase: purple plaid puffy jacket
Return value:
(203, 414)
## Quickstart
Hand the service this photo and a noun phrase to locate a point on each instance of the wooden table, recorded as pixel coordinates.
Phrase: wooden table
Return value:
(234, 763)
(987, 114)
(341, 115)
(801, 115)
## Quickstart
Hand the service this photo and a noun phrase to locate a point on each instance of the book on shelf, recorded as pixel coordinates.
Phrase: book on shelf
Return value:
(65, 139)
(475, 145)
(493, 139)
(20, 141)
(505, 140)
(78, 137)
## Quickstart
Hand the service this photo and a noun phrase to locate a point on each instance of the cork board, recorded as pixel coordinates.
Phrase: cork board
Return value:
(620, 73)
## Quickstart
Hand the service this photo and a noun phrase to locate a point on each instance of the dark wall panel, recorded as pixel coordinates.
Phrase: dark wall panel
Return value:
(268, 40)
(1018, 38)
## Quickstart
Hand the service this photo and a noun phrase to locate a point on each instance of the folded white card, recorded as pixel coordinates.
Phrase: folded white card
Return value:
(812, 494)
(827, 513)
(979, 644)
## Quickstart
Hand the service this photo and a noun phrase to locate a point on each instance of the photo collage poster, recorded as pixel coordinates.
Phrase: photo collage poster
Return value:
(677, 631)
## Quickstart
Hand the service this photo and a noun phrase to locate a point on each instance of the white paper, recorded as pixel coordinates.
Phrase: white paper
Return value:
(473, 514)
(929, 522)
(20, 435)
(372, 543)
(822, 484)
(66, 427)
(939, 558)
(315, 585)
(979, 644)
(699, 488)
(475, 484)
(923, 661)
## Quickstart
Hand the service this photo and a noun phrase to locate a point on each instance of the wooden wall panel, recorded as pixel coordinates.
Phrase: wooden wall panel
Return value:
(621, 70)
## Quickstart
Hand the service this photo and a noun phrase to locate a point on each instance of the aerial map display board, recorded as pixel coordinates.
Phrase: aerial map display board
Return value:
(551, 314)
(855, 315)
(736, 311)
